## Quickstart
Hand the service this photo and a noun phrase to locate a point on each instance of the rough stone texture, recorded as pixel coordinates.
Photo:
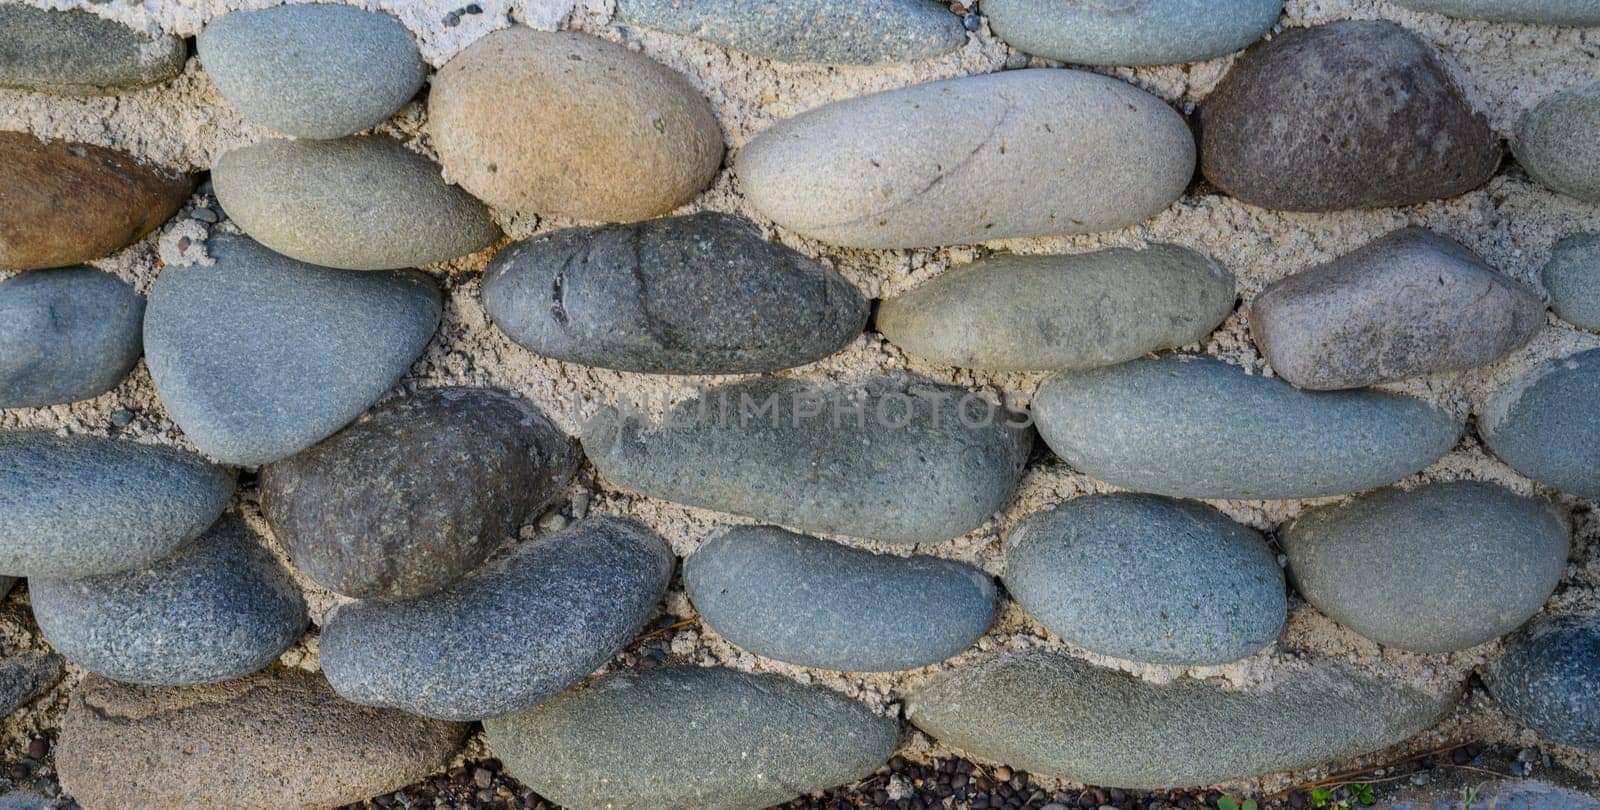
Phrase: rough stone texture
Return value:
(1147, 578)
(1140, 32)
(1056, 715)
(365, 203)
(26, 800)
(1558, 141)
(65, 203)
(563, 123)
(1038, 313)
(75, 53)
(1195, 427)
(1572, 280)
(1410, 303)
(83, 505)
(701, 294)
(516, 634)
(261, 356)
(66, 335)
(1441, 568)
(312, 71)
(1505, 794)
(1548, 679)
(833, 32)
(1038, 152)
(1357, 114)
(875, 460)
(1546, 426)
(418, 493)
(26, 676)
(686, 737)
(814, 603)
(1547, 12)
(220, 608)
(276, 740)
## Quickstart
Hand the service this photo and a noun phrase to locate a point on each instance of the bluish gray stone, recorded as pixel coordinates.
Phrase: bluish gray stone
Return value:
(1558, 141)
(220, 608)
(66, 335)
(516, 634)
(312, 71)
(1545, 423)
(1572, 279)
(261, 356)
(833, 32)
(1548, 678)
(1406, 569)
(1547, 12)
(1131, 32)
(1195, 427)
(707, 738)
(75, 53)
(25, 676)
(1147, 578)
(83, 505)
(814, 603)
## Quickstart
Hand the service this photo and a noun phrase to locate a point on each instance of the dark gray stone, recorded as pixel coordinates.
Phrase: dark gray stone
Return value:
(701, 294)
(1356, 114)
(1545, 423)
(79, 506)
(25, 676)
(1147, 578)
(1195, 427)
(1572, 279)
(833, 32)
(220, 608)
(1144, 32)
(702, 737)
(1410, 303)
(1548, 678)
(1546, 12)
(814, 603)
(75, 53)
(261, 356)
(913, 464)
(1558, 141)
(519, 632)
(1056, 715)
(23, 800)
(66, 335)
(1405, 569)
(1505, 794)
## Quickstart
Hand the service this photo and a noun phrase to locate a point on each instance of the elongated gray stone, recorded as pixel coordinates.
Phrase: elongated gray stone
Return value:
(1143, 32)
(814, 603)
(1572, 279)
(1548, 678)
(66, 335)
(1545, 423)
(1558, 141)
(1547, 12)
(833, 32)
(75, 53)
(25, 676)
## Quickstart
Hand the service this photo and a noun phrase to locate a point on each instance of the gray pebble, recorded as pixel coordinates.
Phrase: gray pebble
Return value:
(25, 676)
(1558, 142)
(1150, 32)
(1548, 678)
(833, 32)
(1544, 12)
(75, 53)
(1545, 424)
(66, 335)
(1572, 279)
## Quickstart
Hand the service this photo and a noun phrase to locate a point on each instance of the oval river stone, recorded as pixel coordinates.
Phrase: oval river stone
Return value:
(1558, 141)
(1548, 678)
(1547, 12)
(1572, 279)
(1131, 32)
(1545, 424)
(75, 53)
(66, 335)
(832, 32)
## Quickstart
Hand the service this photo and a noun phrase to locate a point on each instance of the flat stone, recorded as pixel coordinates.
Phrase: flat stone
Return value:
(1558, 141)
(79, 506)
(1572, 280)
(830, 32)
(814, 603)
(275, 740)
(418, 493)
(1040, 313)
(220, 608)
(559, 122)
(736, 740)
(66, 335)
(261, 356)
(1355, 114)
(518, 633)
(1410, 303)
(363, 203)
(701, 294)
(25, 676)
(1038, 153)
(1548, 679)
(1051, 714)
(1545, 425)
(1141, 32)
(65, 203)
(1503, 794)
(312, 71)
(1547, 12)
(26, 800)
(1154, 564)
(875, 460)
(75, 53)
(1406, 569)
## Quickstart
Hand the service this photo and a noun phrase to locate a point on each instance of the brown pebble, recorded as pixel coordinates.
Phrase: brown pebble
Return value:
(38, 748)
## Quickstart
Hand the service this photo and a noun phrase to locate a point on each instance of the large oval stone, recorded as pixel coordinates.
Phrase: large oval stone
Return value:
(364, 203)
(65, 203)
(516, 634)
(702, 737)
(275, 740)
(1131, 32)
(563, 123)
(1544, 12)
(1410, 303)
(66, 335)
(1194, 427)
(1558, 141)
(220, 608)
(814, 603)
(1356, 114)
(1135, 576)
(417, 493)
(1056, 715)
(1548, 678)
(702, 294)
(1546, 426)
(1038, 153)
(75, 53)
(261, 356)
(833, 32)
(1040, 313)
(1572, 280)
(79, 506)
(875, 460)
(1406, 569)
